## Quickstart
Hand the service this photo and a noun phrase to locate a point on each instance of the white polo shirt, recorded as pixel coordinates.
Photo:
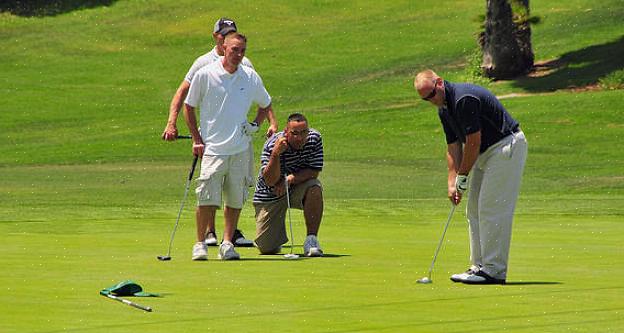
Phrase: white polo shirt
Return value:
(208, 59)
(224, 100)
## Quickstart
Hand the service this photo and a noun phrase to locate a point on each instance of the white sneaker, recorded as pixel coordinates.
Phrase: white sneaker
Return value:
(211, 239)
(199, 251)
(227, 252)
(311, 247)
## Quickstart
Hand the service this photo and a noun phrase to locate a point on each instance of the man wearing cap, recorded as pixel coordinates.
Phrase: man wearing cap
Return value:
(222, 28)
(486, 152)
(223, 91)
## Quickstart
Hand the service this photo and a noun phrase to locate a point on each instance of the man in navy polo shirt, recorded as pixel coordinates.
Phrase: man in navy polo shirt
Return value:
(294, 155)
(485, 156)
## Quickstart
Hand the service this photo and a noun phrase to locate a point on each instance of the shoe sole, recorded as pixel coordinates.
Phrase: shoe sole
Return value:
(246, 243)
(200, 258)
(232, 258)
(484, 282)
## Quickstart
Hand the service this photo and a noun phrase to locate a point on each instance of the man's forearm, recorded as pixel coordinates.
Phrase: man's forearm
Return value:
(470, 153)
(303, 175)
(262, 114)
(453, 160)
(176, 102)
(191, 122)
(271, 173)
(271, 115)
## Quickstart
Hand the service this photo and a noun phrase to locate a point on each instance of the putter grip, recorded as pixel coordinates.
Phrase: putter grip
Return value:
(190, 177)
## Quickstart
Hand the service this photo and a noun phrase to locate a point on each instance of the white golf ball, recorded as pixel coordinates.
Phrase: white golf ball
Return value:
(424, 280)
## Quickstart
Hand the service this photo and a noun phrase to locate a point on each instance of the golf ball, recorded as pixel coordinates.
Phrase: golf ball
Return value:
(424, 280)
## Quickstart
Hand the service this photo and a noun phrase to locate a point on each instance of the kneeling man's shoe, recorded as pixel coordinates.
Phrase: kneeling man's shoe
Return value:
(481, 277)
(311, 247)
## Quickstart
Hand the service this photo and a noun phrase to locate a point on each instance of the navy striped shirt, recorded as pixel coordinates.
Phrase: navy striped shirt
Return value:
(291, 161)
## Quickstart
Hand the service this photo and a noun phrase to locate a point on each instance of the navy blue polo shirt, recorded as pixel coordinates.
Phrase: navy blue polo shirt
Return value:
(470, 108)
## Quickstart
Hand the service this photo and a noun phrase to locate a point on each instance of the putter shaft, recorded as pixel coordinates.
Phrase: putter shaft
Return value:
(127, 302)
(435, 255)
(292, 241)
(175, 227)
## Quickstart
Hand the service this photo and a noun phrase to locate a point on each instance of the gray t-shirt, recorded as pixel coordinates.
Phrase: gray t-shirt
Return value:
(208, 59)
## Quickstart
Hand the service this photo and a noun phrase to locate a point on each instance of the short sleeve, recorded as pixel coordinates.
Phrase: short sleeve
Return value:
(197, 90)
(468, 112)
(260, 96)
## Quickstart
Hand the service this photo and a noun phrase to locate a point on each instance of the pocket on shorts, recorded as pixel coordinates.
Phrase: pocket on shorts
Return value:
(203, 189)
(250, 181)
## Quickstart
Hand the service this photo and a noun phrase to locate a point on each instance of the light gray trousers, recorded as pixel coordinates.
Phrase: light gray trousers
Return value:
(492, 195)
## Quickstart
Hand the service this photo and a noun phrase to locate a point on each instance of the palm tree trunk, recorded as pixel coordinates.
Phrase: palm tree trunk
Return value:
(506, 41)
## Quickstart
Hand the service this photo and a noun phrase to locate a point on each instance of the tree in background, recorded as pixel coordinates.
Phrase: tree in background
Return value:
(506, 41)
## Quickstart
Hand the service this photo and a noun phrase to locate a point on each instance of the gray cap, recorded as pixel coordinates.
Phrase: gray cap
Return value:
(224, 26)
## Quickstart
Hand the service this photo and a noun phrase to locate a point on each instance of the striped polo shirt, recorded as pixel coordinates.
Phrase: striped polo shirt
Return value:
(291, 161)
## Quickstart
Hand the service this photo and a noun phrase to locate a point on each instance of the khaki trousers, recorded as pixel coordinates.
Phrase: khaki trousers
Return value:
(492, 195)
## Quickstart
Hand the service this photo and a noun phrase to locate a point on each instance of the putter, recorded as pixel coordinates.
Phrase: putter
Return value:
(290, 255)
(184, 137)
(127, 302)
(175, 227)
(427, 279)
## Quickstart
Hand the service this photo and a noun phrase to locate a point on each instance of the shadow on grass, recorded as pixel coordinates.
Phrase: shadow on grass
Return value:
(528, 283)
(280, 257)
(40, 8)
(578, 68)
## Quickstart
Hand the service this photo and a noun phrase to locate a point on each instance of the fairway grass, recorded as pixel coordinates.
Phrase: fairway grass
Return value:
(89, 193)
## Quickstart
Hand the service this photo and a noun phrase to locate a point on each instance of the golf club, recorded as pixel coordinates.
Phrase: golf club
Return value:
(125, 301)
(427, 279)
(184, 137)
(188, 184)
(290, 255)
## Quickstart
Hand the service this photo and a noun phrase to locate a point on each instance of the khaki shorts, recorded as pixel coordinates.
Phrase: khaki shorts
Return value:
(227, 174)
(271, 217)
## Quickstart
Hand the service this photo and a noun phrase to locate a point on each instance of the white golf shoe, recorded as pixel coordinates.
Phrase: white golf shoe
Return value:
(481, 277)
(227, 252)
(211, 239)
(311, 247)
(199, 251)
(462, 276)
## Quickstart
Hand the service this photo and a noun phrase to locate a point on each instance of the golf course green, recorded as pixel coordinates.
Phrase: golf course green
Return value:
(89, 193)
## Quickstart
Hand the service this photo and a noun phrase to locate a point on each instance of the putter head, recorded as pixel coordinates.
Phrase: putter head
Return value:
(164, 258)
(425, 280)
(291, 256)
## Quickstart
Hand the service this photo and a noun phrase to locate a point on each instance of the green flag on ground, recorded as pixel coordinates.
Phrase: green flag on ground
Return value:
(127, 288)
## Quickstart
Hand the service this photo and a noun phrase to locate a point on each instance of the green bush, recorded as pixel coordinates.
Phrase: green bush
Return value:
(615, 80)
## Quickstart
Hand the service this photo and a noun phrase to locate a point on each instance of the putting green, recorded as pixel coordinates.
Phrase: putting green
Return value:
(89, 193)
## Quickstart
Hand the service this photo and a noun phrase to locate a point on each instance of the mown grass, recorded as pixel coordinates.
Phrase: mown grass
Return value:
(89, 194)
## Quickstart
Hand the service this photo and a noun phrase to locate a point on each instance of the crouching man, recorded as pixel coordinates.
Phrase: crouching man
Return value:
(295, 157)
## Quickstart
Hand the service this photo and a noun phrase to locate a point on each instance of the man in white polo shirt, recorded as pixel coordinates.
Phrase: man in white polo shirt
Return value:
(224, 91)
(222, 28)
